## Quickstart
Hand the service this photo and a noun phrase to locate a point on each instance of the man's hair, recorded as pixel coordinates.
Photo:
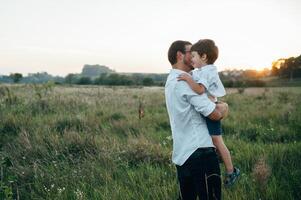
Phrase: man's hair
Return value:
(208, 47)
(176, 46)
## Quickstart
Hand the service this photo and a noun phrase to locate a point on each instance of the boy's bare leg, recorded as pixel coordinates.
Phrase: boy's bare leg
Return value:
(223, 151)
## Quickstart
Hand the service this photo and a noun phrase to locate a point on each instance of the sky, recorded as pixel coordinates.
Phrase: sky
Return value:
(60, 36)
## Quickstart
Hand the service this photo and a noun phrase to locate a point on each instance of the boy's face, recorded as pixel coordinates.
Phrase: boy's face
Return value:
(197, 60)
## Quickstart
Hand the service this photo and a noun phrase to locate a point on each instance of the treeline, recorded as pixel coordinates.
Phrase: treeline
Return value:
(244, 78)
(40, 77)
(118, 79)
(287, 67)
(229, 78)
(284, 71)
(80, 79)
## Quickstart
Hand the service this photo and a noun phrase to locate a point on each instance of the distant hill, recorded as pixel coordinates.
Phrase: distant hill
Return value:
(95, 70)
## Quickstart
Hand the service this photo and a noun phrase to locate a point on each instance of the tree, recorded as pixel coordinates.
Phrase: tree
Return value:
(148, 81)
(71, 78)
(16, 77)
(101, 79)
(287, 67)
(277, 67)
(84, 81)
(274, 71)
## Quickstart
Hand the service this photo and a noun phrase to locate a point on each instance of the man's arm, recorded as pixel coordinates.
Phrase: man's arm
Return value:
(202, 103)
(221, 111)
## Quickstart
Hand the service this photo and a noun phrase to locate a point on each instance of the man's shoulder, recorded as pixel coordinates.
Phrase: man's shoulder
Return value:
(182, 85)
(177, 87)
(183, 89)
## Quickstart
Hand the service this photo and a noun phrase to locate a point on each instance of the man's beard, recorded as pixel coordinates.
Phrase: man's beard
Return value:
(188, 64)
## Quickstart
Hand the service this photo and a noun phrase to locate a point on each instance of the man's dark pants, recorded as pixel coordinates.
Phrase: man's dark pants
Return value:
(199, 176)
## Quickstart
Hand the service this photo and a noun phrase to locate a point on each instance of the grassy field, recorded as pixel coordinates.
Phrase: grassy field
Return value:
(60, 142)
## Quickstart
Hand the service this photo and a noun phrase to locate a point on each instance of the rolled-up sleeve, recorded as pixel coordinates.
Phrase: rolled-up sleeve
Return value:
(204, 82)
(201, 103)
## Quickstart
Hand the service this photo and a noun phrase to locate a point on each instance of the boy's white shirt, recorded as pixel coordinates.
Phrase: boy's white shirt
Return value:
(209, 78)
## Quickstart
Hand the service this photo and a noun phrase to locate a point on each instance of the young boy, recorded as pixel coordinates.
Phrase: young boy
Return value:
(205, 79)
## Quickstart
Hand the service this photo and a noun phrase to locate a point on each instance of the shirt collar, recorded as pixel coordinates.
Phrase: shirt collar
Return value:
(205, 67)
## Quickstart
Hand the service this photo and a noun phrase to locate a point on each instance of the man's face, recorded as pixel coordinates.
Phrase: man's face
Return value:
(187, 57)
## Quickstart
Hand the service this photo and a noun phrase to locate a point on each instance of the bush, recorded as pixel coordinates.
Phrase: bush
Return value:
(84, 81)
(148, 81)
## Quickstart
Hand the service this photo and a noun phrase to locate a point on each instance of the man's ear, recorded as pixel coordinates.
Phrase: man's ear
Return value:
(179, 55)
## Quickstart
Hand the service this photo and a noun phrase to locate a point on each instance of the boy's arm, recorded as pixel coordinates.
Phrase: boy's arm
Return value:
(198, 88)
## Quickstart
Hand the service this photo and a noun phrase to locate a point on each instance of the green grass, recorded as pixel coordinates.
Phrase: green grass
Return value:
(88, 143)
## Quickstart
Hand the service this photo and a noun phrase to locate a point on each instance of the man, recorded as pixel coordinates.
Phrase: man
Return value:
(193, 151)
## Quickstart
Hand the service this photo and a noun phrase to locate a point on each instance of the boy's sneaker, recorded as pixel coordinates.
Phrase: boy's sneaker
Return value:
(230, 179)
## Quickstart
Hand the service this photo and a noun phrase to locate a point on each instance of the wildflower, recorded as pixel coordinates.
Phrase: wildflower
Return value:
(46, 189)
(60, 190)
(79, 194)
(169, 138)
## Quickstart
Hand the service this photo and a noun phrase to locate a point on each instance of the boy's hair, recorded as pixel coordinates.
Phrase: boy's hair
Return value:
(176, 46)
(208, 47)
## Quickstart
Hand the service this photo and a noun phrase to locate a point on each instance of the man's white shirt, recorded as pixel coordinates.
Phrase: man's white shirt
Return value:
(188, 127)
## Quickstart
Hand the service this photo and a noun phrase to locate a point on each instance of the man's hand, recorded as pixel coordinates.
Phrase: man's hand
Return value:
(221, 111)
(223, 108)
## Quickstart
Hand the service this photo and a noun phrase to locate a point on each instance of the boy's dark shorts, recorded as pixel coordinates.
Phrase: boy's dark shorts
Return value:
(214, 127)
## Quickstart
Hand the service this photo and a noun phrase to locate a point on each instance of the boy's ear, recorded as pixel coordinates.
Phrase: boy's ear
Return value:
(204, 57)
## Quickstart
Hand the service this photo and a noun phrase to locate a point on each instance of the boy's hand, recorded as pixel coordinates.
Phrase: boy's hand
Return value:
(185, 77)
